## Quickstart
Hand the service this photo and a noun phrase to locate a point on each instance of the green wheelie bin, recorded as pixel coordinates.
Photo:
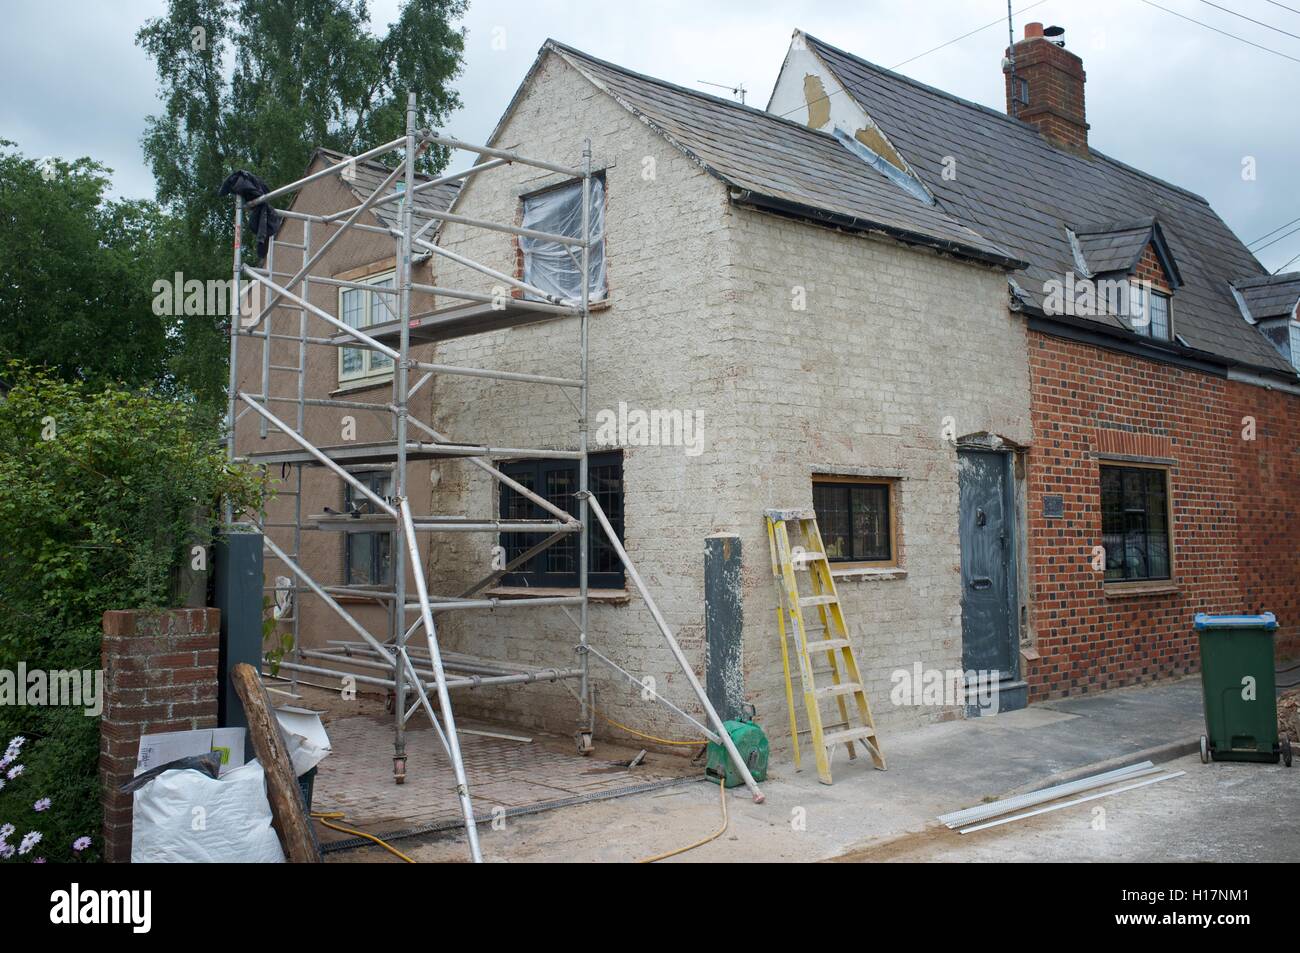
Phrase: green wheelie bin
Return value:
(1237, 679)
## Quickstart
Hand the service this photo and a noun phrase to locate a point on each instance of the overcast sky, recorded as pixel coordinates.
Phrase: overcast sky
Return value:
(1166, 95)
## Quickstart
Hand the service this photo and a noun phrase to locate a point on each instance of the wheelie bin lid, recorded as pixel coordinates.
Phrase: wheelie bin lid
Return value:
(1265, 620)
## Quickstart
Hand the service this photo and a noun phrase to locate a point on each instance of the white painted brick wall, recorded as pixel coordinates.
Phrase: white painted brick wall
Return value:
(892, 341)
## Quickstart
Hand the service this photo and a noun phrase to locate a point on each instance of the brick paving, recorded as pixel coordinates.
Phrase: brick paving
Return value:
(357, 777)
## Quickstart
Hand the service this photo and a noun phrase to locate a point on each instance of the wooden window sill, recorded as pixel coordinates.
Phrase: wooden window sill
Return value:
(1121, 590)
(617, 597)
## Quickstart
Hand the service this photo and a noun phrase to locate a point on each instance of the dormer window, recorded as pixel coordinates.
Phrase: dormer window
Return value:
(1272, 304)
(1133, 260)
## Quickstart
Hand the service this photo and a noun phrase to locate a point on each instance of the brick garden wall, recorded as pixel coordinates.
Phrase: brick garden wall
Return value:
(160, 674)
(1234, 509)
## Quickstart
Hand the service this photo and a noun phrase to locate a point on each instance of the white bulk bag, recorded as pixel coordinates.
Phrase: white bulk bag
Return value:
(186, 817)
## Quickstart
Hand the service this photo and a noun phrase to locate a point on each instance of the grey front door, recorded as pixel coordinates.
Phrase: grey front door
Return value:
(987, 562)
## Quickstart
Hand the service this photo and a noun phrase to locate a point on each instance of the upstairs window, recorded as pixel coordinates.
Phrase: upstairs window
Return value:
(1149, 312)
(552, 267)
(360, 308)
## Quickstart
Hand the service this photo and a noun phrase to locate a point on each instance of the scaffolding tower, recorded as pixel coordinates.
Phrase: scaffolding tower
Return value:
(393, 663)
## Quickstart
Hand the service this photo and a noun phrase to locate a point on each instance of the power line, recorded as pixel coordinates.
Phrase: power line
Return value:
(1242, 39)
(1256, 251)
(1279, 270)
(1273, 232)
(1243, 16)
(1282, 5)
(964, 35)
(935, 49)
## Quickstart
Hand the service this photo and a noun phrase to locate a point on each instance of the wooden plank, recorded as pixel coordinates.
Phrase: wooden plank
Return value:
(287, 809)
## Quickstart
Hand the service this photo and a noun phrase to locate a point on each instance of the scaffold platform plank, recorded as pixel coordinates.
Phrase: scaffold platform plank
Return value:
(455, 321)
(386, 452)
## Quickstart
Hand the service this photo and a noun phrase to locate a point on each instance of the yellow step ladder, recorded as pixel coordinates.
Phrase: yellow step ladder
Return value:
(834, 644)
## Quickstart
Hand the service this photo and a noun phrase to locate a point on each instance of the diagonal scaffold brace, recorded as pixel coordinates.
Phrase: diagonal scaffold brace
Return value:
(676, 649)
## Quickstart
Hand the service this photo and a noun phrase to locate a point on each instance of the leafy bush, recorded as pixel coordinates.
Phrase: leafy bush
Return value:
(103, 492)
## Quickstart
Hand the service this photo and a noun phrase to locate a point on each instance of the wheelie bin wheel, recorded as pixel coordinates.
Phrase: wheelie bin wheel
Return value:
(1286, 751)
(1205, 750)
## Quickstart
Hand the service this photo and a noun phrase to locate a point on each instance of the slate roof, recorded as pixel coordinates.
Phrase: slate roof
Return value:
(1115, 247)
(1272, 296)
(371, 173)
(782, 164)
(1020, 191)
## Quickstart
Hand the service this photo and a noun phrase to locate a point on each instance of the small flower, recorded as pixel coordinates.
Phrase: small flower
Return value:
(5, 831)
(39, 860)
(6, 851)
(15, 771)
(42, 805)
(15, 746)
(7, 760)
(80, 844)
(30, 840)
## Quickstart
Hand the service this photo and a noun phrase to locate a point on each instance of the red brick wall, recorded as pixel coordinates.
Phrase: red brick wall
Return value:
(160, 674)
(1268, 484)
(1085, 400)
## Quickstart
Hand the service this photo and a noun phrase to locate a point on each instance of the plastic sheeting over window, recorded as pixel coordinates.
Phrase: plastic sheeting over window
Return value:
(549, 265)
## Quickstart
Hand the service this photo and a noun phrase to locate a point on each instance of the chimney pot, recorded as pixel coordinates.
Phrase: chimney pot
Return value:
(1033, 30)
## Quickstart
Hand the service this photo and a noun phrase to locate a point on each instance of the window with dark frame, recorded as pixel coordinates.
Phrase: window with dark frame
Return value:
(1135, 523)
(556, 481)
(1153, 306)
(856, 519)
(367, 557)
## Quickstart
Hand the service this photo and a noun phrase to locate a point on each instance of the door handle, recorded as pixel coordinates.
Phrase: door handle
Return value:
(981, 582)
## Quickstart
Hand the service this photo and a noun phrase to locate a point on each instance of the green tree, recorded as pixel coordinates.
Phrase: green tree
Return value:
(76, 271)
(257, 84)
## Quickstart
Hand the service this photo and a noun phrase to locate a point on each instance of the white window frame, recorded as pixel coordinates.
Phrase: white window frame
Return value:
(371, 303)
(1294, 327)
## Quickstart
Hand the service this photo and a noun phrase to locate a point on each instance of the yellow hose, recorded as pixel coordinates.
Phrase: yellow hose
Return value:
(722, 793)
(334, 815)
(641, 734)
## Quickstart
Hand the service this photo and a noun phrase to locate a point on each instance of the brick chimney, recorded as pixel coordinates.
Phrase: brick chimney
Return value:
(1048, 89)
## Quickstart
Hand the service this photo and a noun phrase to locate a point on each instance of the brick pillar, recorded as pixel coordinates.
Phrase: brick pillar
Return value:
(160, 674)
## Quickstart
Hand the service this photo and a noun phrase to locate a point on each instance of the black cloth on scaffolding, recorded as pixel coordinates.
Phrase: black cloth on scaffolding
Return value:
(263, 219)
